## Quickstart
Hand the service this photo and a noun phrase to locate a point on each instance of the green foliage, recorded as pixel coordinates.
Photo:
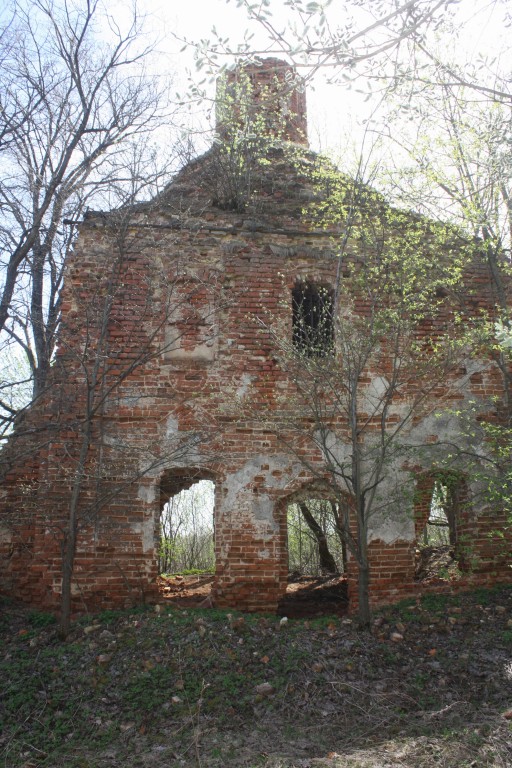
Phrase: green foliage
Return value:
(407, 256)
(498, 482)
(146, 691)
(489, 464)
(503, 334)
(460, 170)
(399, 339)
(241, 148)
(109, 616)
(484, 596)
(435, 603)
(40, 619)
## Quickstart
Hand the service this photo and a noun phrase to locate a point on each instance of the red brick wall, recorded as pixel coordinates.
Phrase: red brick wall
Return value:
(171, 314)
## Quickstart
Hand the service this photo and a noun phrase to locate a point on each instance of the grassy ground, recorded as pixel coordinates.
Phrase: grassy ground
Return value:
(432, 686)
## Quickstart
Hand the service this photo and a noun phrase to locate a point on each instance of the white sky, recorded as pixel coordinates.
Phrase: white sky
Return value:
(333, 111)
(328, 107)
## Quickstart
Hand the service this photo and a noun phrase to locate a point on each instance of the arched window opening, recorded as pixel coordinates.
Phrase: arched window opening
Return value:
(313, 320)
(437, 554)
(315, 542)
(317, 578)
(186, 526)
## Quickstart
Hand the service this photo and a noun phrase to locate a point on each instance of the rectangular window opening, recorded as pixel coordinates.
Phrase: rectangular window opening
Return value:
(312, 320)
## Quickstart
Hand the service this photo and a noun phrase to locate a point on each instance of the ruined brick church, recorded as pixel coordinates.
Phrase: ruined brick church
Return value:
(177, 315)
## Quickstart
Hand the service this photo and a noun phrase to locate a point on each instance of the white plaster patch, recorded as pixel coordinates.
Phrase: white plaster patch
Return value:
(171, 427)
(148, 535)
(5, 534)
(146, 493)
(263, 509)
(336, 449)
(391, 530)
(474, 366)
(245, 383)
(448, 428)
(193, 333)
(393, 518)
(240, 504)
(110, 439)
(442, 423)
(373, 397)
(239, 481)
(130, 401)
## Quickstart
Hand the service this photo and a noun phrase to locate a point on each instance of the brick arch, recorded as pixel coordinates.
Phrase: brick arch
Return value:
(308, 489)
(177, 479)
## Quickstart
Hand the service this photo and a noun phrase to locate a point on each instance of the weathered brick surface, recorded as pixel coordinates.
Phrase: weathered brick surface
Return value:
(167, 314)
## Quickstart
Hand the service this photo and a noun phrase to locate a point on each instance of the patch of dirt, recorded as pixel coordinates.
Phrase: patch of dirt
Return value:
(306, 596)
(185, 591)
(311, 597)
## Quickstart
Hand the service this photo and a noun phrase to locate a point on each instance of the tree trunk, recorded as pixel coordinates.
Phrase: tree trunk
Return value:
(341, 523)
(364, 614)
(69, 543)
(327, 562)
(452, 512)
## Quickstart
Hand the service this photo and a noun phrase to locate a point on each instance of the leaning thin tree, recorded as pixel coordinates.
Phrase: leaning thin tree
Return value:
(114, 333)
(129, 293)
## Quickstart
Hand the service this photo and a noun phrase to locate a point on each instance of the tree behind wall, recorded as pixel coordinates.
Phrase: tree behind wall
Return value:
(77, 108)
(315, 36)
(314, 547)
(456, 165)
(186, 530)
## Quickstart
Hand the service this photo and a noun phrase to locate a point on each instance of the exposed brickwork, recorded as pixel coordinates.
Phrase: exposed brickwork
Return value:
(277, 99)
(166, 310)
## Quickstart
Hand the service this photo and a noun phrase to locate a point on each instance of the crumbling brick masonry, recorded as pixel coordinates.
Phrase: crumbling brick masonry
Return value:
(176, 315)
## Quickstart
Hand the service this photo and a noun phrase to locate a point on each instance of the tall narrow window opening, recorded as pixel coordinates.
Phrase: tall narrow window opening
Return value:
(312, 319)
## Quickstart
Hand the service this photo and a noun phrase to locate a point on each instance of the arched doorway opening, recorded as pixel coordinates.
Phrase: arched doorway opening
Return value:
(317, 555)
(186, 523)
(438, 517)
(315, 539)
